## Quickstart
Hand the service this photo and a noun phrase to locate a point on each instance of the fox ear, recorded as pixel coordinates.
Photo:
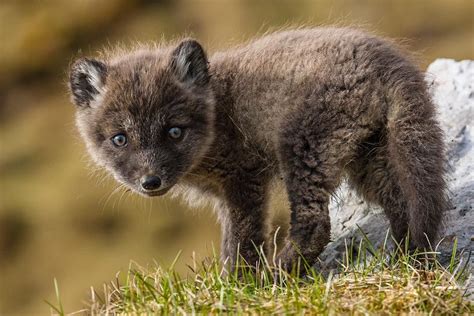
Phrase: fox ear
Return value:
(189, 63)
(86, 81)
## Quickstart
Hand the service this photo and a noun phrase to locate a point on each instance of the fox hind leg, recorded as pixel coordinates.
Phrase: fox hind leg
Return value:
(371, 173)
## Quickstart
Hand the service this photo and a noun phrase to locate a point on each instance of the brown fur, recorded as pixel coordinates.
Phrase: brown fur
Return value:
(310, 106)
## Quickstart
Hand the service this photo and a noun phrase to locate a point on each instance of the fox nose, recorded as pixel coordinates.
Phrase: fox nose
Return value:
(150, 182)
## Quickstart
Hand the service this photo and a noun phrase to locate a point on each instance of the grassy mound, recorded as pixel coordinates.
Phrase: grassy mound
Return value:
(368, 281)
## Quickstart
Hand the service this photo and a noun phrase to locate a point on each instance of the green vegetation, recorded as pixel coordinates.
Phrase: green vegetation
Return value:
(368, 281)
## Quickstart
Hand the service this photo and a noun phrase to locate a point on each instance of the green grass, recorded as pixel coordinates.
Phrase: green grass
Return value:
(368, 280)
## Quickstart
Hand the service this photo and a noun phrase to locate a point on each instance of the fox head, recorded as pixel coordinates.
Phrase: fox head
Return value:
(147, 116)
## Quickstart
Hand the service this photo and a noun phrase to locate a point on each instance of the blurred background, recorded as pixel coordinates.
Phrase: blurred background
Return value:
(57, 219)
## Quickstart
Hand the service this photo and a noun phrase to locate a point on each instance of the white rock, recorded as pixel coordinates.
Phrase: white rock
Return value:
(452, 87)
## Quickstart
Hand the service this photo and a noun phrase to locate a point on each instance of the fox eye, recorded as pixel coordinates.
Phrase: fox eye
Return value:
(175, 132)
(119, 140)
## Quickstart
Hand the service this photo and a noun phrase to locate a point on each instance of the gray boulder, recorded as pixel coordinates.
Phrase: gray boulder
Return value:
(452, 87)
